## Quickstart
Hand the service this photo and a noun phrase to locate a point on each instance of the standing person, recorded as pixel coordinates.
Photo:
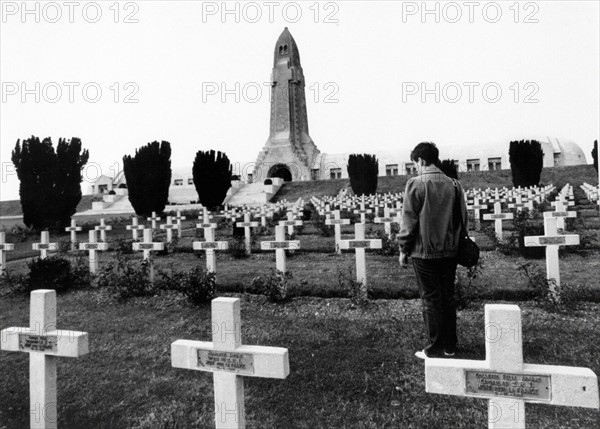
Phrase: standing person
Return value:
(429, 235)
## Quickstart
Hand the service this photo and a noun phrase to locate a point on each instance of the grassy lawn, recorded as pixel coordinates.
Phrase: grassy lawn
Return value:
(349, 367)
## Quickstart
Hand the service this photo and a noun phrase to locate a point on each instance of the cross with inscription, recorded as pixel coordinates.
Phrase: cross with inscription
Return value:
(561, 206)
(148, 246)
(337, 223)
(73, 230)
(362, 211)
(229, 361)
(169, 226)
(477, 207)
(280, 245)
(103, 228)
(178, 219)
(387, 221)
(92, 247)
(210, 245)
(247, 236)
(4, 247)
(498, 217)
(44, 245)
(505, 380)
(134, 228)
(359, 244)
(205, 224)
(518, 204)
(45, 344)
(154, 218)
(551, 240)
(291, 222)
(560, 217)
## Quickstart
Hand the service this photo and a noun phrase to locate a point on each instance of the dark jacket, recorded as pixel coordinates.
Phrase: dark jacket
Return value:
(429, 228)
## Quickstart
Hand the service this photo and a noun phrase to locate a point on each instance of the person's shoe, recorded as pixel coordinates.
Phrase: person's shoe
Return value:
(449, 351)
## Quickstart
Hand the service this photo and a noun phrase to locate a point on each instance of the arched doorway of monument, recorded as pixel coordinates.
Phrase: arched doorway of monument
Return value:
(282, 171)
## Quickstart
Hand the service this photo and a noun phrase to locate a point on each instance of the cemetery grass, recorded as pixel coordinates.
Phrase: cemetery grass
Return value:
(350, 367)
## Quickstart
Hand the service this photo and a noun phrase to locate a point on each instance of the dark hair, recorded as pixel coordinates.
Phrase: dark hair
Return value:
(427, 151)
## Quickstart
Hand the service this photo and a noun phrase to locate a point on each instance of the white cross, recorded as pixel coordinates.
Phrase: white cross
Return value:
(229, 361)
(387, 220)
(154, 218)
(103, 228)
(552, 240)
(498, 217)
(518, 204)
(279, 245)
(210, 245)
(169, 226)
(505, 380)
(291, 222)
(44, 343)
(247, 236)
(362, 211)
(561, 207)
(179, 218)
(73, 230)
(44, 245)
(92, 247)
(4, 247)
(477, 207)
(134, 227)
(148, 246)
(359, 244)
(337, 222)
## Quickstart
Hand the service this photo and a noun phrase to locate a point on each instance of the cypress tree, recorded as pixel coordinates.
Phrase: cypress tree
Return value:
(363, 171)
(595, 155)
(526, 162)
(448, 167)
(50, 182)
(148, 177)
(212, 174)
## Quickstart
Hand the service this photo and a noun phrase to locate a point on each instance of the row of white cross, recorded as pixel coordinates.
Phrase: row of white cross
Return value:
(502, 378)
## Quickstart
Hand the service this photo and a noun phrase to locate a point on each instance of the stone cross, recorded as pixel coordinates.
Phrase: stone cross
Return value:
(44, 245)
(45, 344)
(229, 361)
(134, 227)
(387, 220)
(73, 230)
(148, 246)
(505, 380)
(263, 215)
(4, 247)
(337, 222)
(518, 204)
(169, 226)
(291, 222)
(92, 247)
(179, 218)
(210, 245)
(102, 228)
(477, 207)
(561, 208)
(154, 218)
(551, 240)
(279, 245)
(247, 235)
(498, 217)
(362, 211)
(359, 244)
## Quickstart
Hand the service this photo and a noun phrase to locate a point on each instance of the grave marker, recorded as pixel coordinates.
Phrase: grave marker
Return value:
(169, 226)
(4, 247)
(337, 223)
(92, 247)
(178, 219)
(45, 344)
(154, 218)
(291, 222)
(229, 360)
(505, 380)
(498, 217)
(102, 228)
(359, 244)
(148, 246)
(44, 245)
(210, 245)
(280, 245)
(247, 236)
(73, 230)
(134, 227)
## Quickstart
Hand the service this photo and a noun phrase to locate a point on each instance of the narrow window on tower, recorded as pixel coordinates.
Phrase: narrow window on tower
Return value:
(285, 49)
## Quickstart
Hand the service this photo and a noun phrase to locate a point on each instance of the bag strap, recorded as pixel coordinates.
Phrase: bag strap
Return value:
(457, 211)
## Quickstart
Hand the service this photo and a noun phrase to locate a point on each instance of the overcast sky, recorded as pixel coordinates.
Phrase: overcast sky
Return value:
(196, 75)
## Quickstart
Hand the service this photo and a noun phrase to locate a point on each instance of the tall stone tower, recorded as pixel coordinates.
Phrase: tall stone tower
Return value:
(289, 152)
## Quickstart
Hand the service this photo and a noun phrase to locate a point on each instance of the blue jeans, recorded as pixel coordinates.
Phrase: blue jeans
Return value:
(435, 278)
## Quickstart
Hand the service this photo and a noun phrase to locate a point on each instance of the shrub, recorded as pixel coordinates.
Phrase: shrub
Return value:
(449, 168)
(318, 222)
(354, 289)
(363, 171)
(212, 173)
(526, 162)
(274, 285)
(124, 278)
(389, 246)
(198, 285)
(12, 283)
(237, 247)
(52, 273)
